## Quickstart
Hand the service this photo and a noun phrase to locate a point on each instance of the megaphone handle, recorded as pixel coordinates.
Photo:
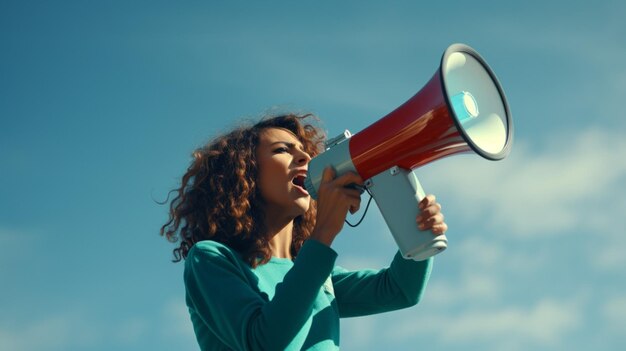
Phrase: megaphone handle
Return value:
(397, 193)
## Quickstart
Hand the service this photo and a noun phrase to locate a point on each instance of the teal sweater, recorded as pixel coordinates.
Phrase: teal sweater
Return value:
(289, 305)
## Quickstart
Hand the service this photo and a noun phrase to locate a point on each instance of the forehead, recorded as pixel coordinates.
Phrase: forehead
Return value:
(272, 135)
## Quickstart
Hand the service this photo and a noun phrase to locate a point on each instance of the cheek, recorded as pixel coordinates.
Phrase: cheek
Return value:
(270, 179)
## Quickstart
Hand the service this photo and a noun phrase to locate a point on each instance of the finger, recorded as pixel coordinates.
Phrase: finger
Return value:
(427, 201)
(436, 219)
(349, 178)
(428, 212)
(352, 192)
(355, 206)
(328, 174)
(431, 210)
(359, 188)
(439, 229)
(429, 222)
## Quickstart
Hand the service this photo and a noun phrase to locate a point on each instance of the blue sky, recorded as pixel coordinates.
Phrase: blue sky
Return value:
(102, 103)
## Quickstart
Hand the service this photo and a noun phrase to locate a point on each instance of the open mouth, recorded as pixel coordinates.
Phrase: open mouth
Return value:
(299, 181)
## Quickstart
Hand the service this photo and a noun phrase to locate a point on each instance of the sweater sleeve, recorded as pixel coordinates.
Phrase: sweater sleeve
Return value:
(227, 302)
(366, 292)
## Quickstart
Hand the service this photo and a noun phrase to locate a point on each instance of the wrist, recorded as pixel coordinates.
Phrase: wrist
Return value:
(323, 236)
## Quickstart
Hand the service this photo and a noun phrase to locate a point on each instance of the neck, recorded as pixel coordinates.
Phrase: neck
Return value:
(281, 234)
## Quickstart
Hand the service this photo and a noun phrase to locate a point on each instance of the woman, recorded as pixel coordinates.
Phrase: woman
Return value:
(259, 268)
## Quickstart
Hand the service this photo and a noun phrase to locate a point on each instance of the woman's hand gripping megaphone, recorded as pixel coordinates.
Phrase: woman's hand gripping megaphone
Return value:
(336, 196)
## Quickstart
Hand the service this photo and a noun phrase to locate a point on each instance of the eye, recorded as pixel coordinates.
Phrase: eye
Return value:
(281, 150)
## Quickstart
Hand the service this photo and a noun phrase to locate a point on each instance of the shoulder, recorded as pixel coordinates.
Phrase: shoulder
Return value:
(209, 252)
(210, 247)
(211, 265)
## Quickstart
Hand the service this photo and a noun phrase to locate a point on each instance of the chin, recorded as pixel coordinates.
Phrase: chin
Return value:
(303, 204)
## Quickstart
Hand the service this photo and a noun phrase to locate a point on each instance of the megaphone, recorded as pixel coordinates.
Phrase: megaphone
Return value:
(462, 109)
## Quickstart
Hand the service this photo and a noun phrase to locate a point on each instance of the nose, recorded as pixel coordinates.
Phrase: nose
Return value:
(302, 158)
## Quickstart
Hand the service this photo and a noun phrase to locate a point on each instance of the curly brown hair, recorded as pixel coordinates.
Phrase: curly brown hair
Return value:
(219, 198)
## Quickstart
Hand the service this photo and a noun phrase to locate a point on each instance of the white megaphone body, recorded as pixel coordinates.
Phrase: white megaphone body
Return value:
(461, 109)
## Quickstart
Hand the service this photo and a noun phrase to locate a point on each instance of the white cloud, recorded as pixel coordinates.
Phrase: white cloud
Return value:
(482, 273)
(78, 330)
(568, 184)
(568, 190)
(12, 236)
(475, 286)
(359, 333)
(176, 323)
(488, 255)
(608, 256)
(614, 312)
(543, 324)
(49, 333)
(131, 330)
(355, 262)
